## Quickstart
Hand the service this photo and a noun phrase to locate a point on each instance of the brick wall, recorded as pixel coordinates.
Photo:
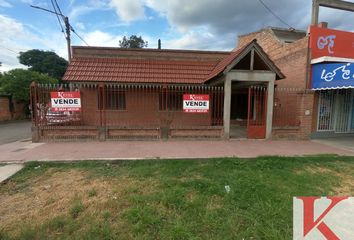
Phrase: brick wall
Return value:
(5, 113)
(291, 58)
(142, 109)
(306, 113)
(18, 112)
(10, 114)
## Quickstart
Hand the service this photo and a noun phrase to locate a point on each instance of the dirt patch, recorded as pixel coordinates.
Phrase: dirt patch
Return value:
(215, 202)
(346, 178)
(53, 193)
(347, 185)
(318, 169)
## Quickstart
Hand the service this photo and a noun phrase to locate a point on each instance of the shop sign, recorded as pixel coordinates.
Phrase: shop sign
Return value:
(65, 101)
(333, 75)
(331, 43)
(196, 103)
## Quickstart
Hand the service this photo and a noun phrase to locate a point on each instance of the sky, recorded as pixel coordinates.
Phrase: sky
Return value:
(180, 24)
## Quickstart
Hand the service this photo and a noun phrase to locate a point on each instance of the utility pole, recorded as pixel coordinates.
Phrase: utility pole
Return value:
(68, 40)
(67, 28)
(336, 4)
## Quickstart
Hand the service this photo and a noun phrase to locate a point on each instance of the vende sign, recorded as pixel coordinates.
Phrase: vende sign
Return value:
(323, 218)
(196, 103)
(65, 101)
(331, 43)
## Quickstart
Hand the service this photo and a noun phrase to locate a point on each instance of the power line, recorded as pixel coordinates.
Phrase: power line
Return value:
(60, 24)
(275, 15)
(56, 3)
(68, 27)
(9, 49)
(72, 29)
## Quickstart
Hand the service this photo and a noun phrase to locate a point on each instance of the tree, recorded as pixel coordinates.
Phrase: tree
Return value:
(17, 83)
(133, 42)
(44, 62)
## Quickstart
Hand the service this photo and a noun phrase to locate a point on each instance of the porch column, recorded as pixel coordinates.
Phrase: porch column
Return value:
(227, 106)
(270, 104)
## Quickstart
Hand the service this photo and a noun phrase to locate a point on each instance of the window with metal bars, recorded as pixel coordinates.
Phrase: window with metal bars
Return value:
(172, 101)
(115, 99)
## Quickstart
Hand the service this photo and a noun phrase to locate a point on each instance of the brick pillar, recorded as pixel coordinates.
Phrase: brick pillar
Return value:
(306, 114)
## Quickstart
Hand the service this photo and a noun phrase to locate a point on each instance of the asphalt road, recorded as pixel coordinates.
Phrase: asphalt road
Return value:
(14, 131)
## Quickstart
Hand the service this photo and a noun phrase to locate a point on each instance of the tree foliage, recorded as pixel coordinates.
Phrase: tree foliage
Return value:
(133, 42)
(17, 82)
(44, 62)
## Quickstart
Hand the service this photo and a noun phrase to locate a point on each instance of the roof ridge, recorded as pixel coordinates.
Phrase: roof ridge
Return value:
(92, 59)
(225, 61)
(151, 49)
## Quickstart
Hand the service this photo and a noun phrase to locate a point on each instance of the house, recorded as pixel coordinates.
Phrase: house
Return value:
(261, 89)
(141, 92)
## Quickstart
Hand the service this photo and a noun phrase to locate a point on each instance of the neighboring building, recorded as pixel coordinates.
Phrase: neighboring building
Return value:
(288, 49)
(303, 59)
(332, 76)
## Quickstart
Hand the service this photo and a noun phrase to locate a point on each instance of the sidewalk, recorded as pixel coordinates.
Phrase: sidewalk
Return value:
(19, 152)
(7, 171)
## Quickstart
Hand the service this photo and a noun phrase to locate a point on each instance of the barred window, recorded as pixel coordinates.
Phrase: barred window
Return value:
(171, 101)
(114, 99)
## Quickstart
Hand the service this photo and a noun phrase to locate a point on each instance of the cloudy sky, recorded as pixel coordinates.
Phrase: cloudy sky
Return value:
(180, 24)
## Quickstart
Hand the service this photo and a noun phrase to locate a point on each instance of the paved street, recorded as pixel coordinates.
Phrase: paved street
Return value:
(14, 131)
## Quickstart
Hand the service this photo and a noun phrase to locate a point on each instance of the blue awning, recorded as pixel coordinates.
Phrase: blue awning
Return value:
(332, 76)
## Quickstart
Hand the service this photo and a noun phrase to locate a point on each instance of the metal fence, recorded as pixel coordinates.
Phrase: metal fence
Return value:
(123, 111)
(116, 111)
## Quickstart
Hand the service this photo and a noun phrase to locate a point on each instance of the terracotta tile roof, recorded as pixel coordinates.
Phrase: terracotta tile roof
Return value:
(166, 67)
(220, 67)
(138, 70)
(224, 63)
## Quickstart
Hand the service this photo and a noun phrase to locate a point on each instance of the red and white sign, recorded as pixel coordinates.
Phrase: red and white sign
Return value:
(65, 101)
(328, 218)
(196, 103)
(326, 42)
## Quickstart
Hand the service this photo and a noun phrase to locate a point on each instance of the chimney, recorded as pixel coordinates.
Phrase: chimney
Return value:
(323, 24)
(159, 44)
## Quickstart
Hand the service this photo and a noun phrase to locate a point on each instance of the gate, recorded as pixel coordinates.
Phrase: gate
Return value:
(257, 112)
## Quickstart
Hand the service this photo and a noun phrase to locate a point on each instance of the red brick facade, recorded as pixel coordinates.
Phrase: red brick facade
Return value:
(292, 60)
(142, 115)
(5, 113)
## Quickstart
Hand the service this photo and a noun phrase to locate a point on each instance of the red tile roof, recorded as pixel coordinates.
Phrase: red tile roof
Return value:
(224, 63)
(179, 67)
(220, 67)
(138, 70)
